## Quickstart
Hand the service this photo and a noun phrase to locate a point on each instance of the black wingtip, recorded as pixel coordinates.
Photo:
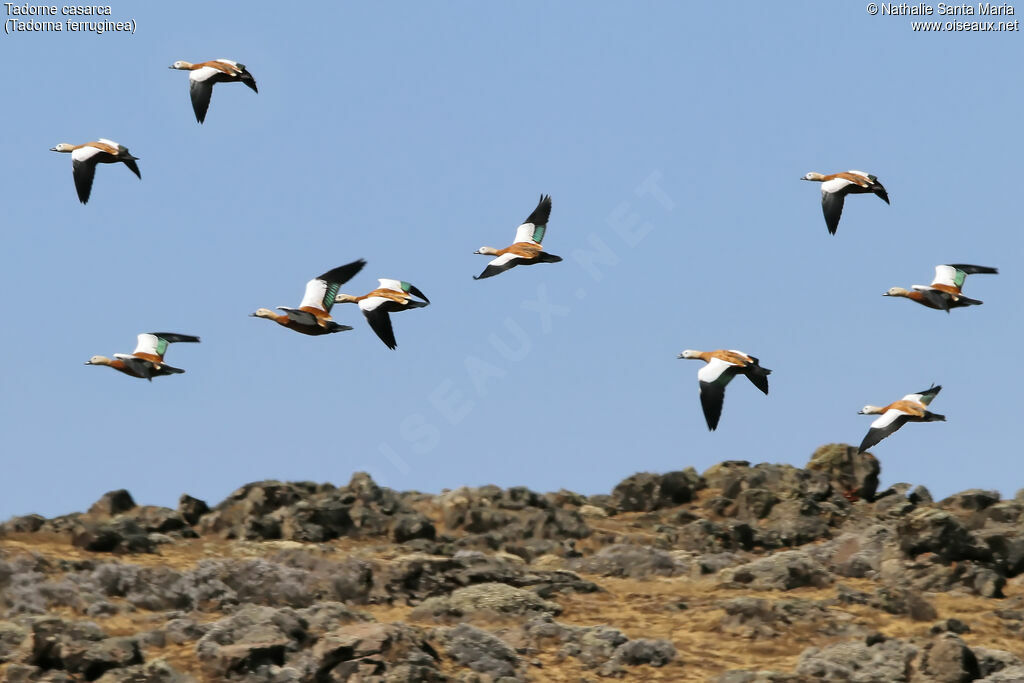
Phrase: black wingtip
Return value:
(542, 213)
(974, 270)
(174, 337)
(343, 274)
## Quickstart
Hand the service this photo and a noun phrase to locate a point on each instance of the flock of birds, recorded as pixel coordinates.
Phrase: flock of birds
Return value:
(944, 293)
(313, 315)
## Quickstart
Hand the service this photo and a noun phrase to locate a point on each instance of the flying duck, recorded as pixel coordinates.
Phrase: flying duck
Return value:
(313, 316)
(944, 292)
(526, 250)
(147, 360)
(392, 296)
(835, 187)
(721, 366)
(84, 158)
(203, 75)
(910, 408)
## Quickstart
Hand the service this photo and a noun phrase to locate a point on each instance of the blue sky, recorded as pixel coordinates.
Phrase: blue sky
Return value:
(671, 137)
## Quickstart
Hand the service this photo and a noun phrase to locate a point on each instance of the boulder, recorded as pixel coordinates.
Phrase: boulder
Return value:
(253, 637)
(888, 660)
(854, 475)
(480, 651)
(359, 651)
(645, 491)
(650, 651)
(631, 561)
(113, 503)
(947, 659)
(192, 509)
(489, 598)
(929, 530)
(780, 571)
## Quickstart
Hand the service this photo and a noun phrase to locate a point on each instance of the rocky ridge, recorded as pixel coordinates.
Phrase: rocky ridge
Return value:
(742, 573)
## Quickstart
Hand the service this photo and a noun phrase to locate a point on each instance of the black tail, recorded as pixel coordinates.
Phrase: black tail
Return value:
(962, 301)
(130, 163)
(758, 376)
(247, 78)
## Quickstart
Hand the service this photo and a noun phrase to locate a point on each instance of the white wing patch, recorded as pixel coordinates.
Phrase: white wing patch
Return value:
(314, 296)
(229, 62)
(86, 153)
(388, 283)
(203, 73)
(148, 343)
(502, 260)
(860, 173)
(373, 302)
(887, 418)
(525, 232)
(945, 275)
(924, 399)
(835, 185)
(713, 370)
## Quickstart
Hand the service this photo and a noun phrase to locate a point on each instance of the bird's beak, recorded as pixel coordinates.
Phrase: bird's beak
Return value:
(252, 315)
(477, 251)
(885, 293)
(88, 362)
(53, 149)
(679, 356)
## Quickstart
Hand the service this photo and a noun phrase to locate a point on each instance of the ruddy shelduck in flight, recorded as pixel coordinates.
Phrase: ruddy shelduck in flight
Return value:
(721, 366)
(147, 360)
(391, 297)
(526, 250)
(203, 75)
(84, 158)
(835, 187)
(910, 408)
(313, 316)
(944, 293)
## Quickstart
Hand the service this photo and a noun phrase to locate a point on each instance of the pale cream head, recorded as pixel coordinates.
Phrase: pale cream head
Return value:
(98, 360)
(813, 176)
(871, 410)
(63, 147)
(181, 64)
(689, 353)
(490, 251)
(263, 313)
(896, 291)
(345, 299)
